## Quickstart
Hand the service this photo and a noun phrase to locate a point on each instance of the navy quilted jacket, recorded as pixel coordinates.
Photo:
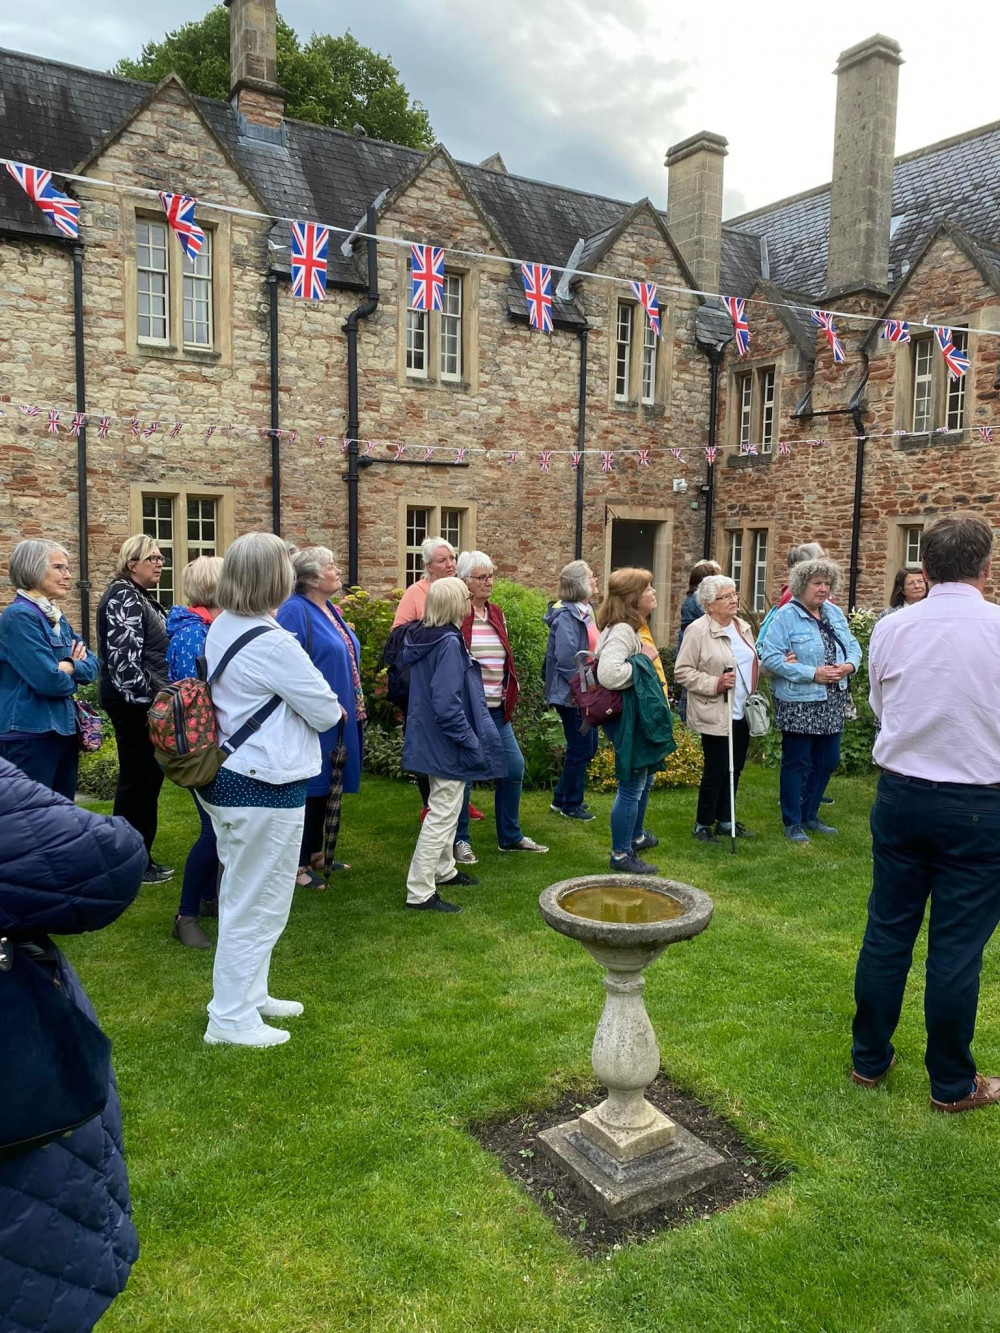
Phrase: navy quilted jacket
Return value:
(67, 1241)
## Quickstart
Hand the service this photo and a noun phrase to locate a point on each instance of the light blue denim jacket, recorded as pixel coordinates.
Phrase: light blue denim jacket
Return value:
(794, 630)
(35, 696)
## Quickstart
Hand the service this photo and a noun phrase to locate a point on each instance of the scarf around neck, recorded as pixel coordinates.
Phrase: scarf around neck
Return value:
(48, 609)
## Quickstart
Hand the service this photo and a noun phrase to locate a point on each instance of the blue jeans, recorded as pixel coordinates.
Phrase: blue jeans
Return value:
(201, 869)
(507, 794)
(580, 750)
(806, 765)
(937, 841)
(46, 757)
(629, 809)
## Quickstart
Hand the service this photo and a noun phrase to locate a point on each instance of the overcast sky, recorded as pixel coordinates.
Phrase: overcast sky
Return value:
(590, 93)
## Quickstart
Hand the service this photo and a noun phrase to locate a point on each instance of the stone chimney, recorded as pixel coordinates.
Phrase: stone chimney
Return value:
(253, 62)
(694, 204)
(864, 144)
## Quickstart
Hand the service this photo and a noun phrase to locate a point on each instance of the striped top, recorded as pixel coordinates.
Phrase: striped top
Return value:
(489, 652)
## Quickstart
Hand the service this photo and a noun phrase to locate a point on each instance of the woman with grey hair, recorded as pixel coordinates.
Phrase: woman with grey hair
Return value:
(572, 630)
(256, 800)
(716, 656)
(810, 651)
(132, 646)
(484, 630)
(42, 662)
(334, 649)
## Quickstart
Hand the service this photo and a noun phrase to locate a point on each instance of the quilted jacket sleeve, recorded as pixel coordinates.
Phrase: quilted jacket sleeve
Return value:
(62, 869)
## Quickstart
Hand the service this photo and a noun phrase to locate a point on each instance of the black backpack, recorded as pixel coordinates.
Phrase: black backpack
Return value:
(397, 689)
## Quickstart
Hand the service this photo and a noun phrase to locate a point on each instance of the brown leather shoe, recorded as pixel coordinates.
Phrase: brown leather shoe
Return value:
(985, 1092)
(863, 1082)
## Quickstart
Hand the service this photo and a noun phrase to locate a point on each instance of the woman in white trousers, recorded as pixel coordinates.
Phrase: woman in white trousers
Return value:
(257, 799)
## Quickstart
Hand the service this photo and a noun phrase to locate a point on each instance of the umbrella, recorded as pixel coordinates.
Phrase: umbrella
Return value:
(331, 820)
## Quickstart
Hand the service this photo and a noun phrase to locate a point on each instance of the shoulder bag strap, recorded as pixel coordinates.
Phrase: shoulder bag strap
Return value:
(257, 720)
(235, 647)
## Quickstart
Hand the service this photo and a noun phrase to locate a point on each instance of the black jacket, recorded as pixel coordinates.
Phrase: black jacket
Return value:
(131, 643)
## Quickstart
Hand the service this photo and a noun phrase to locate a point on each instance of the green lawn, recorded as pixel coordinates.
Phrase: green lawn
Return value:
(331, 1184)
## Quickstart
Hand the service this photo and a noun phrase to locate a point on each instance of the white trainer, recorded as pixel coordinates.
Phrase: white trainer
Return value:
(273, 1008)
(262, 1036)
(525, 845)
(464, 854)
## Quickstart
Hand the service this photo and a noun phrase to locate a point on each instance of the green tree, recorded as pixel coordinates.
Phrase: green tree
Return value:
(329, 80)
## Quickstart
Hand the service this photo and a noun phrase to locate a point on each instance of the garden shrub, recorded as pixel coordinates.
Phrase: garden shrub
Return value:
(98, 775)
(683, 767)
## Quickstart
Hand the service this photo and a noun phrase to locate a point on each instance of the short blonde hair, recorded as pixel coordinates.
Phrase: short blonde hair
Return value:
(137, 548)
(308, 563)
(256, 576)
(200, 581)
(621, 601)
(447, 602)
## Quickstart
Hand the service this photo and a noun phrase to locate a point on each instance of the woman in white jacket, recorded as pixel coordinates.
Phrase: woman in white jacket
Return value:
(257, 799)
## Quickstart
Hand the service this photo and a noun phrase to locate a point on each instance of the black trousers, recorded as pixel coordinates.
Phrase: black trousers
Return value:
(713, 794)
(312, 829)
(139, 775)
(936, 842)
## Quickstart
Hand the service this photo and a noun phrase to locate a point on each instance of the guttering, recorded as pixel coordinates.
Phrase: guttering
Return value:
(581, 436)
(83, 523)
(714, 355)
(366, 308)
(859, 472)
(272, 303)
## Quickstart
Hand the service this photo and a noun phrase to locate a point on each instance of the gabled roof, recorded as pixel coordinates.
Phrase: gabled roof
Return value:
(957, 179)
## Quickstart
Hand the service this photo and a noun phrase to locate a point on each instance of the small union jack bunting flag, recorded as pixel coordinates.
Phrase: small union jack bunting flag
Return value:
(369, 448)
(460, 455)
(151, 429)
(175, 430)
(292, 436)
(77, 424)
(986, 432)
(607, 461)
(899, 432)
(103, 426)
(896, 331)
(644, 458)
(676, 453)
(179, 209)
(784, 448)
(29, 409)
(537, 279)
(512, 457)
(57, 207)
(545, 461)
(825, 322)
(53, 422)
(345, 445)
(736, 306)
(428, 452)
(397, 450)
(748, 450)
(711, 454)
(645, 293)
(310, 243)
(426, 277)
(574, 459)
(209, 432)
(133, 425)
(957, 362)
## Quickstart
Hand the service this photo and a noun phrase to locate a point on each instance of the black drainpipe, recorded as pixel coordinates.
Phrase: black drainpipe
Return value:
(581, 436)
(83, 523)
(714, 354)
(366, 308)
(859, 472)
(272, 299)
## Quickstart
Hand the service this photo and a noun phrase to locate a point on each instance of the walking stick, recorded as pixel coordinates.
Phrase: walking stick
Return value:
(732, 781)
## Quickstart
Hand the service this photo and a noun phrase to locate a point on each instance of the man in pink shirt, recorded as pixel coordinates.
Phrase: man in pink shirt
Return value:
(936, 819)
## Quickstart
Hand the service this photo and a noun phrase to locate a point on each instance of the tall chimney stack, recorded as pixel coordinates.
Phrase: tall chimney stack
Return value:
(694, 204)
(253, 61)
(864, 145)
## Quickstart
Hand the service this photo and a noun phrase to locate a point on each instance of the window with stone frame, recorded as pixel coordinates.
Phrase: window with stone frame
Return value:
(173, 294)
(746, 559)
(422, 519)
(936, 401)
(636, 354)
(186, 524)
(435, 339)
(754, 409)
(912, 540)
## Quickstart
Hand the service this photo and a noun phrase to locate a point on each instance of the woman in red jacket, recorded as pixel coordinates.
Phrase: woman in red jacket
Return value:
(485, 632)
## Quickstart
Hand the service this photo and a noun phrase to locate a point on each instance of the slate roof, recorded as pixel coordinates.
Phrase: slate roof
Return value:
(956, 180)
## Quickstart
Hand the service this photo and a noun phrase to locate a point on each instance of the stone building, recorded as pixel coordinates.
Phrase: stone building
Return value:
(122, 327)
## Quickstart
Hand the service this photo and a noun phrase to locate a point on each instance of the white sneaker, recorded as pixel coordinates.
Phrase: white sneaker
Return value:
(262, 1036)
(525, 845)
(273, 1008)
(464, 854)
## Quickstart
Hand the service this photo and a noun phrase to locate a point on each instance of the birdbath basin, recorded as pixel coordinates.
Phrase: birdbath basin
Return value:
(626, 1154)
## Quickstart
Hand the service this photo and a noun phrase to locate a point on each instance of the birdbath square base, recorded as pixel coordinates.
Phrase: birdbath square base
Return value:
(622, 1189)
(624, 1145)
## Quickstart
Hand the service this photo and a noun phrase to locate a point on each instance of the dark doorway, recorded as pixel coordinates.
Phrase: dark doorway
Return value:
(632, 543)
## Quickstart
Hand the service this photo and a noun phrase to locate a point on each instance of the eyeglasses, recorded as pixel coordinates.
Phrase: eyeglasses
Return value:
(62, 569)
(728, 597)
(157, 559)
(481, 578)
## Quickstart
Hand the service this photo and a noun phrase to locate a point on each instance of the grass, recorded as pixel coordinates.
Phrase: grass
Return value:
(332, 1185)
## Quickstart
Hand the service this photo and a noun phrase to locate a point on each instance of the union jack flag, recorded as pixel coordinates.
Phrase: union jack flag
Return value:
(428, 453)
(175, 430)
(644, 458)
(645, 294)
(546, 460)
(53, 422)
(29, 409)
(293, 437)
(736, 306)
(816, 444)
(748, 450)
(575, 459)
(784, 448)
(512, 457)
(133, 425)
(537, 279)
(711, 454)
(310, 242)
(825, 322)
(369, 448)
(607, 460)
(345, 445)
(397, 450)
(676, 453)
(77, 424)
(151, 429)
(957, 362)
(179, 209)
(209, 432)
(896, 331)
(899, 432)
(986, 432)
(103, 426)
(460, 455)
(57, 207)
(427, 277)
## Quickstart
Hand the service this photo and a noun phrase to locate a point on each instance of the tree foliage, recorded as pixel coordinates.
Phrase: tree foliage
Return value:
(329, 80)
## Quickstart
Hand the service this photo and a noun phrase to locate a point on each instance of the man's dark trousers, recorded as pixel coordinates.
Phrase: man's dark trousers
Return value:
(937, 840)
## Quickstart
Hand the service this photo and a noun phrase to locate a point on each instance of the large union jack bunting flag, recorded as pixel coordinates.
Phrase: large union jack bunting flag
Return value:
(957, 362)
(645, 293)
(825, 322)
(737, 306)
(309, 246)
(59, 208)
(427, 277)
(537, 279)
(896, 331)
(179, 209)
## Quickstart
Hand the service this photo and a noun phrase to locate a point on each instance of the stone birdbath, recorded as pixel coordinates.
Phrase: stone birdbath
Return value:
(625, 1155)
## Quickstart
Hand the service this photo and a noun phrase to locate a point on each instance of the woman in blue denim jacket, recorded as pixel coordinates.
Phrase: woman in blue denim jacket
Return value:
(810, 652)
(42, 662)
